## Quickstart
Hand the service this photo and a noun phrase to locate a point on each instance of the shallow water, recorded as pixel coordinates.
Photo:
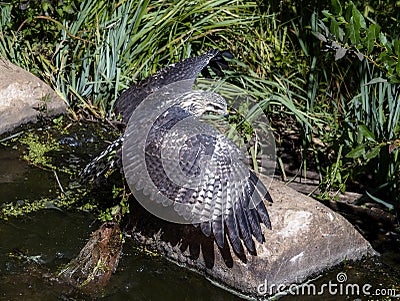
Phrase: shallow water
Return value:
(51, 238)
(33, 247)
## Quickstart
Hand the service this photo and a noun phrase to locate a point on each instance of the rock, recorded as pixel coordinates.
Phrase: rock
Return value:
(307, 238)
(23, 97)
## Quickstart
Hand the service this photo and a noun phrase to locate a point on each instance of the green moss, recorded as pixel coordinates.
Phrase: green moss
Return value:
(40, 147)
(88, 207)
(21, 207)
(37, 150)
(61, 202)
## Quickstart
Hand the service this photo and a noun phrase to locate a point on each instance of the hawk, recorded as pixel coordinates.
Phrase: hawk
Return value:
(130, 99)
(178, 160)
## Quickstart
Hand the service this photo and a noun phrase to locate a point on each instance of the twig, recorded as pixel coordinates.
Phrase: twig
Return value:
(11, 136)
(59, 183)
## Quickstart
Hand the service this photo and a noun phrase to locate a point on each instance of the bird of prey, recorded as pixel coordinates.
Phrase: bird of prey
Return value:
(130, 99)
(222, 195)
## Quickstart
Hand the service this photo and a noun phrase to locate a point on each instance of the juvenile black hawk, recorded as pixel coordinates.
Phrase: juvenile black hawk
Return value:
(179, 161)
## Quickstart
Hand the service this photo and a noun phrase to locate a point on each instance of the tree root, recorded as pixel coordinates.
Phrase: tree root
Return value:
(91, 270)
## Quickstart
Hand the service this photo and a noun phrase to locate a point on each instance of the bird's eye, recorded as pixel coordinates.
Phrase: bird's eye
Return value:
(215, 110)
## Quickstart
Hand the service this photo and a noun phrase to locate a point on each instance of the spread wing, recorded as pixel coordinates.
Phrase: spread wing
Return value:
(227, 193)
(184, 70)
(191, 167)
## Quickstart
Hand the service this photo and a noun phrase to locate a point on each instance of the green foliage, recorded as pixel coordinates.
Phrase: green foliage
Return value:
(26, 36)
(368, 122)
(348, 32)
(372, 127)
(105, 45)
(351, 98)
(365, 139)
(116, 212)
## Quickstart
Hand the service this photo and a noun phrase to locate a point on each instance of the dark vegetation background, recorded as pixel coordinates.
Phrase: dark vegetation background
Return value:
(327, 73)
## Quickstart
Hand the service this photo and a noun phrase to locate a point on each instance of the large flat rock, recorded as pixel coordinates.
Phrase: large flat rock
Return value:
(307, 238)
(23, 97)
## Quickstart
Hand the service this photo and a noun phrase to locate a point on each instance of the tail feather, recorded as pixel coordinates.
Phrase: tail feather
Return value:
(108, 160)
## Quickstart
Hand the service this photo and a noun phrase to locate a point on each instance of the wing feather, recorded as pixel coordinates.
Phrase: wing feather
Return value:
(185, 70)
(233, 230)
(228, 194)
(225, 192)
(252, 213)
(244, 225)
(260, 205)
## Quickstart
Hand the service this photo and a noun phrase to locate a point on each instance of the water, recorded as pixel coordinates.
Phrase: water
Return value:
(52, 238)
(33, 247)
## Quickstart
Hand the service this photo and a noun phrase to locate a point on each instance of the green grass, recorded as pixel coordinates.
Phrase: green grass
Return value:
(106, 45)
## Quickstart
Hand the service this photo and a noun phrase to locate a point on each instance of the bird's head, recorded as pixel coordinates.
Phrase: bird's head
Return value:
(200, 102)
